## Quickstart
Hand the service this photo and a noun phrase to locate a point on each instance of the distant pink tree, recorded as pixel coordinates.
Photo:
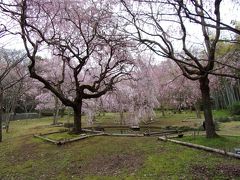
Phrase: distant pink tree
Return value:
(48, 101)
(12, 75)
(31, 89)
(173, 89)
(137, 97)
(145, 94)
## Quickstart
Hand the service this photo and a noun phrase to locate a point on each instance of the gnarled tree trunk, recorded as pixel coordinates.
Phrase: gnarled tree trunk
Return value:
(56, 110)
(206, 101)
(77, 118)
(1, 112)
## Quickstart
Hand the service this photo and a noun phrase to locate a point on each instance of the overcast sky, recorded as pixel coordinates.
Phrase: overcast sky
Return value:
(227, 13)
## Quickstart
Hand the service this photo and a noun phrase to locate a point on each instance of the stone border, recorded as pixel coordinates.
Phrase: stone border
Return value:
(61, 142)
(162, 138)
(102, 133)
(201, 147)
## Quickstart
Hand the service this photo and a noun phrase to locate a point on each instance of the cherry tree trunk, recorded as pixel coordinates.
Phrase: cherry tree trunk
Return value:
(7, 121)
(77, 118)
(121, 118)
(162, 110)
(56, 111)
(206, 101)
(1, 112)
(10, 110)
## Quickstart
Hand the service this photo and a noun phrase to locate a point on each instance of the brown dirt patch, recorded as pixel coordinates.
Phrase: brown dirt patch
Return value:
(27, 151)
(201, 172)
(226, 170)
(229, 170)
(108, 165)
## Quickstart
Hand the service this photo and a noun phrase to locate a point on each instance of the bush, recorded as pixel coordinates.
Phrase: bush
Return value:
(47, 113)
(222, 119)
(235, 108)
(236, 118)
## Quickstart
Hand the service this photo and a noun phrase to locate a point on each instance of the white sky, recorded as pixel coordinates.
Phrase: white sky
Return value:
(227, 13)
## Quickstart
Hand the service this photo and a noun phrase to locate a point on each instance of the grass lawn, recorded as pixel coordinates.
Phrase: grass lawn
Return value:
(230, 128)
(186, 118)
(24, 157)
(221, 113)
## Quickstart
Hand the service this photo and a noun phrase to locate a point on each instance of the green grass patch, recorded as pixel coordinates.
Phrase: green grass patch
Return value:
(222, 142)
(221, 113)
(61, 136)
(230, 128)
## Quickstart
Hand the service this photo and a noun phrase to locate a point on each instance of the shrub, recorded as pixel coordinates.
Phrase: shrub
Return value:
(236, 118)
(186, 128)
(47, 113)
(222, 119)
(235, 108)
